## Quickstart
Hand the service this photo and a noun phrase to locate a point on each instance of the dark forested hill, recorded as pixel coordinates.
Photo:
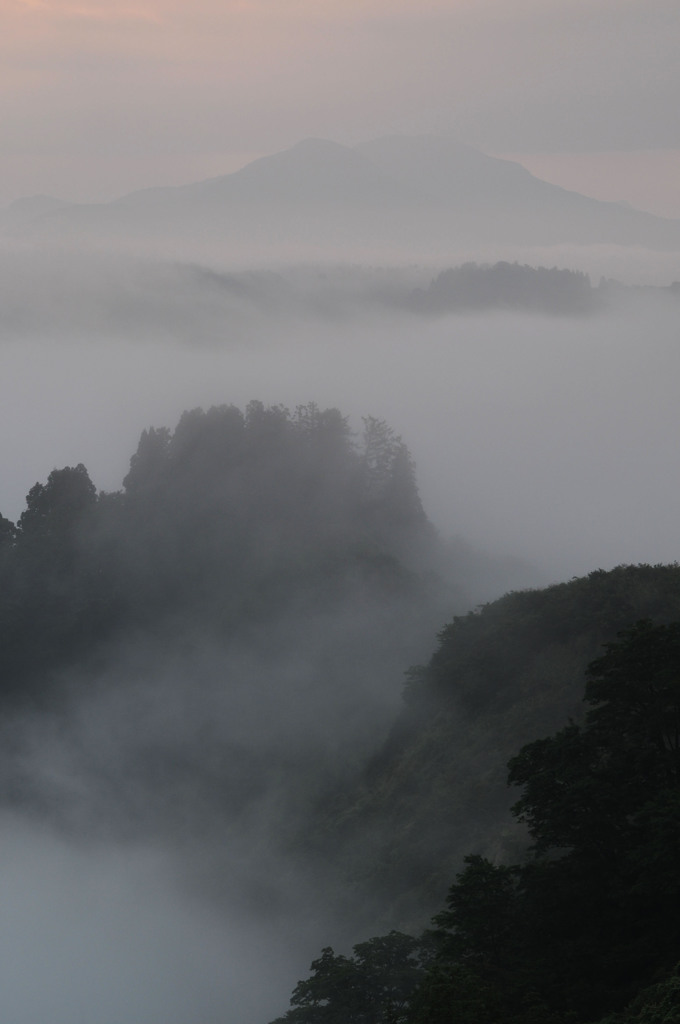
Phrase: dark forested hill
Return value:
(584, 925)
(231, 625)
(500, 676)
(230, 520)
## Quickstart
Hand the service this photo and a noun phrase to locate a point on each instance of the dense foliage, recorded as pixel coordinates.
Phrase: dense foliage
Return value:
(209, 649)
(500, 676)
(227, 522)
(374, 986)
(509, 286)
(589, 923)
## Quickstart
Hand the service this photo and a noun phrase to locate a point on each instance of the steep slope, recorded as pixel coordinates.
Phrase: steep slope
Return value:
(581, 927)
(501, 676)
(236, 616)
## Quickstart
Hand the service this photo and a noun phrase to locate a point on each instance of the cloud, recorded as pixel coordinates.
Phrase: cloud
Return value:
(107, 934)
(102, 13)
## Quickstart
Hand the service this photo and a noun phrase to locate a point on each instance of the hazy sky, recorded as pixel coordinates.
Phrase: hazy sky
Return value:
(545, 439)
(102, 96)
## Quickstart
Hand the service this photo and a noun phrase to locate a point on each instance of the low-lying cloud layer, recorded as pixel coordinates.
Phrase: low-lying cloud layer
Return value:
(109, 934)
(545, 438)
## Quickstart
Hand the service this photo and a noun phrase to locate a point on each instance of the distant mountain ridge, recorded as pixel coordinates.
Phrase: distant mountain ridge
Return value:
(404, 194)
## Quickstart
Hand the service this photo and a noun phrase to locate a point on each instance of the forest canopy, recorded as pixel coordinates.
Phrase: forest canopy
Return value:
(584, 926)
(228, 519)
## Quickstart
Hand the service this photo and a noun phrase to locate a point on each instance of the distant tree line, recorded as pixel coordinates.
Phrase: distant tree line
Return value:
(587, 927)
(508, 286)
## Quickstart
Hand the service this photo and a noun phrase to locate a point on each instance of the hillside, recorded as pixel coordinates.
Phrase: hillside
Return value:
(501, 676)
(222, 635)
(581, 926)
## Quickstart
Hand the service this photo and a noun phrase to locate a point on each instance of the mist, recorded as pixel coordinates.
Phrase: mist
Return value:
(159, 806)
(195, 674)
(543, 438)
(112, 933)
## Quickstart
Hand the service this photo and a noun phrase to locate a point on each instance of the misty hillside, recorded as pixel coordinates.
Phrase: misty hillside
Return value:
(500, 676)
(509, 286)
(143, 301)
(265, 577)
(579, 923)
(254, 591)
(418, 195)
(198, 304)
(209, 662)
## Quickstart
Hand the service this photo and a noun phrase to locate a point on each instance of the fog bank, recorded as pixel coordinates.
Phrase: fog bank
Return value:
(107, 935)
(547, 439)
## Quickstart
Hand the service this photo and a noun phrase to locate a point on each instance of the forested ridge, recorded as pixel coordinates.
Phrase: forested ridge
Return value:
(219, 641)
(506, 286)
(225, 522)
(585, 926)
(500, 675)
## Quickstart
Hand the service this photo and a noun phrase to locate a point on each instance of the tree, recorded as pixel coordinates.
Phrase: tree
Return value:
(49, 604)
(148, 464)
(390, 969)
(479, 921)
(390, 493)
(584, 787)
(55, 508)
(479, 974)
(606, 797)
(658, 1004)
(451, 993)
(400, 493)
(375, 986)
(380, 445)
(634, 693)
(50, 533)
(7, 533)
(331, 995)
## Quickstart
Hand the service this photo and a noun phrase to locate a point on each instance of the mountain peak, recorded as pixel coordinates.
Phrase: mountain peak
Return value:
(413, 195)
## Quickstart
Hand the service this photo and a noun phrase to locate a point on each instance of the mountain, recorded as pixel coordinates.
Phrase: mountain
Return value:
(447, 171)
(314, 171)
(502, 200)
(407, 196)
